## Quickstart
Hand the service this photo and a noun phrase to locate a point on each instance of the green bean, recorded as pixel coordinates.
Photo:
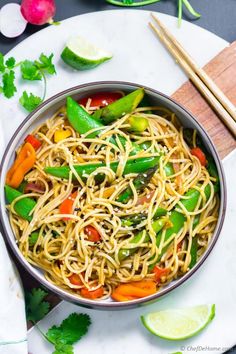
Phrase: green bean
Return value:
(22, 207)
(178, 219)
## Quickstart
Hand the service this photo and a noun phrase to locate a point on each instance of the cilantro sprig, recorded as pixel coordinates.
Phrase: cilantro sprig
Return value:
(70, 331)
(36, 307)
(62, 337)
(36, 70)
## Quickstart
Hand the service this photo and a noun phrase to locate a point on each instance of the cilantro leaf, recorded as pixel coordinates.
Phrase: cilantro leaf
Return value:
(29, 102)
(2, 66)
(30, 71)
(36, 308)
(63, 349)
(46, 64)
(8, 80)
(70, 331)
(10, 63)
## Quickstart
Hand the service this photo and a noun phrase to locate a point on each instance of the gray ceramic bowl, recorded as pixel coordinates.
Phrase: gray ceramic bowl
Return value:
(44, 111)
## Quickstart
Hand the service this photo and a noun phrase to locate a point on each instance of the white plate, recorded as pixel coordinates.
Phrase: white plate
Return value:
(140, 58)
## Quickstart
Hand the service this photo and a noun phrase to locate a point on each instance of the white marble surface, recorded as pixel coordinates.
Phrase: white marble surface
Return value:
(140, 58)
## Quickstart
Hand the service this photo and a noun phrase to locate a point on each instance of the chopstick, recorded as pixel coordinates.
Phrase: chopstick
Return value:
(219, 102)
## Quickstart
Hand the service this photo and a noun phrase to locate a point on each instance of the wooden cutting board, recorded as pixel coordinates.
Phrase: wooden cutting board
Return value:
(222, 69)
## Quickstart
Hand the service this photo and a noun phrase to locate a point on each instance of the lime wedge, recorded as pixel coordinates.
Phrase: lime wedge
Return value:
(180, 323)
(82, 55)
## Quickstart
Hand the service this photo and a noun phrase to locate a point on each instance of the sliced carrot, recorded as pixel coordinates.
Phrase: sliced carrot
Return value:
(92, 294)
(144, 284)
(75, 279)
(200, 155)
(66, 206)
(23, 164)
(118, 297)
(132, 290)
(92, 233)
(159, 273)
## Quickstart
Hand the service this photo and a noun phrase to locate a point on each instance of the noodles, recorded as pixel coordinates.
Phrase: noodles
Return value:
(64, 247)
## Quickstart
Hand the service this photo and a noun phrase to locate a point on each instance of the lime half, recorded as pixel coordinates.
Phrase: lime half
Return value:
(82, 55)
(180, 323)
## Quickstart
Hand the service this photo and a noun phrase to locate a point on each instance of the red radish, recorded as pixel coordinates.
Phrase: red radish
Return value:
(38, 12)
(12, 23)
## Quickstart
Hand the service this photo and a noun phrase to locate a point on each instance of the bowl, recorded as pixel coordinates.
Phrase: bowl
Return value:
(44, 111)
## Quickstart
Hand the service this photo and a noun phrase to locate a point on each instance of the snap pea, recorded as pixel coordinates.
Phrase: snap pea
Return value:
(24, 206)
(81, 120)
(120, 107)
(177, 219)
(138, 165)
(139, 182)
(126, 252)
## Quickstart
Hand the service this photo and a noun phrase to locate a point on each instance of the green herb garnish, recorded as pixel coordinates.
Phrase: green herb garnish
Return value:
(70, 331)
(36, 307)
(30, 71)
(30, 101)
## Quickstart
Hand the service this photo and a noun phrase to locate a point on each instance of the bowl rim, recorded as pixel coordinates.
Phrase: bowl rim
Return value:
(63, 294)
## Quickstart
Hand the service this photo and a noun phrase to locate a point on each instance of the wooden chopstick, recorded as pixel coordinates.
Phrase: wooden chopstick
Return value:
(199, 71)
(197, 80)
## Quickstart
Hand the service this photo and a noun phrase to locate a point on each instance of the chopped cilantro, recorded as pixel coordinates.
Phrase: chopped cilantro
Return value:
(8, 81)
(45, 63)
(71, 329)
(30, 71)
(10, 63)
(36, 308)
(29, 101)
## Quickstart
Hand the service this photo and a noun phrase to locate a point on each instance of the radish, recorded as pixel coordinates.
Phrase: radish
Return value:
(12, 23)
(38, 12)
